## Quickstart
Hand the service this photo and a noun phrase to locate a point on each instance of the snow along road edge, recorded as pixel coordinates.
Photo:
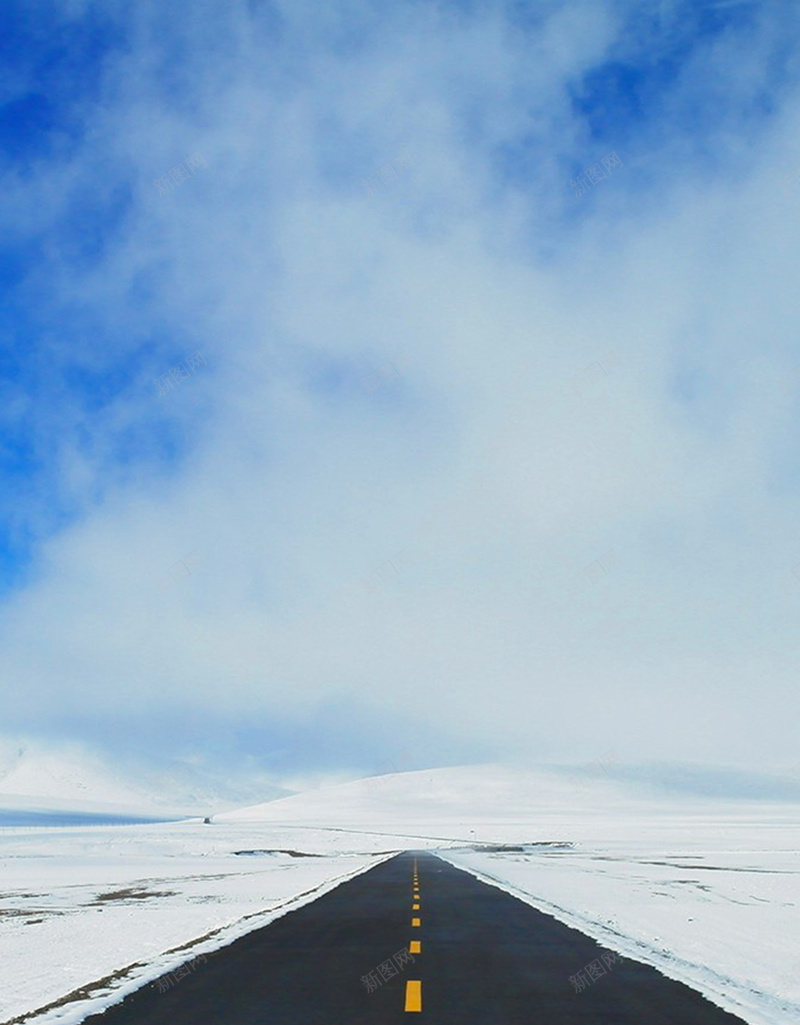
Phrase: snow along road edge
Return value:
(755, 1006)
(75, 1007)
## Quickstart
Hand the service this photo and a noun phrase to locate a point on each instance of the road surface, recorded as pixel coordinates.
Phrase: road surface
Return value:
(415, 939)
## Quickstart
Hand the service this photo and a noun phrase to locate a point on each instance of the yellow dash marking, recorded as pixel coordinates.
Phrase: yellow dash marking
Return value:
(415, 947)
(413, 995)
(415, 907)
(416, 922)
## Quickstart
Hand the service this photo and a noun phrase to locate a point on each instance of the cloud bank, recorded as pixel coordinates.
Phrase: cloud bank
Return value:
(454, 455)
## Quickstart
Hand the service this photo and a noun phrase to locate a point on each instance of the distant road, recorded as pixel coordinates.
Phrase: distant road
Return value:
(429, 943)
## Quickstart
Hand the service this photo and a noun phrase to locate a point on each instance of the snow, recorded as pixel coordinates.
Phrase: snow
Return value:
(79, 905)
(704, 889)
(38, 778)
(710, 902)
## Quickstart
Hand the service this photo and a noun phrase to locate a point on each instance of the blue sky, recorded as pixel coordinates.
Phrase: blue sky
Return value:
(413, 558)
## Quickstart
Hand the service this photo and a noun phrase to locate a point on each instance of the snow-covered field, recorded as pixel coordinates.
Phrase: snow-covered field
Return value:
(711, 902)
(98, 911)
(706, 890)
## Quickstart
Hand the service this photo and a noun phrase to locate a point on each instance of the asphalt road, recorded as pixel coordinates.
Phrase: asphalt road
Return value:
(480, 957)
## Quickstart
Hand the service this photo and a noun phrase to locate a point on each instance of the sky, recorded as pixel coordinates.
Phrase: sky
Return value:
(411, 382)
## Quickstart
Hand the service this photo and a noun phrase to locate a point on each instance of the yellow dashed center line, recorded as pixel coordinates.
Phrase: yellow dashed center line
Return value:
(414, 986)
(413, 995)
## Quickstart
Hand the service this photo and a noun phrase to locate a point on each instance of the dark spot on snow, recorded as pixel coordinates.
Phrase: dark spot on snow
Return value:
(292, 854)
(131, 893)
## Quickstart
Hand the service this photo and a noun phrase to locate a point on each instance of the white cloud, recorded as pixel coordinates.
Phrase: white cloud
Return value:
(293, 482)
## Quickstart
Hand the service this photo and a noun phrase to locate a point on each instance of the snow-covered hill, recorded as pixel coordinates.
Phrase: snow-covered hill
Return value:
(466, 796)
(479, 795)
(704, 889)
(71, 779)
